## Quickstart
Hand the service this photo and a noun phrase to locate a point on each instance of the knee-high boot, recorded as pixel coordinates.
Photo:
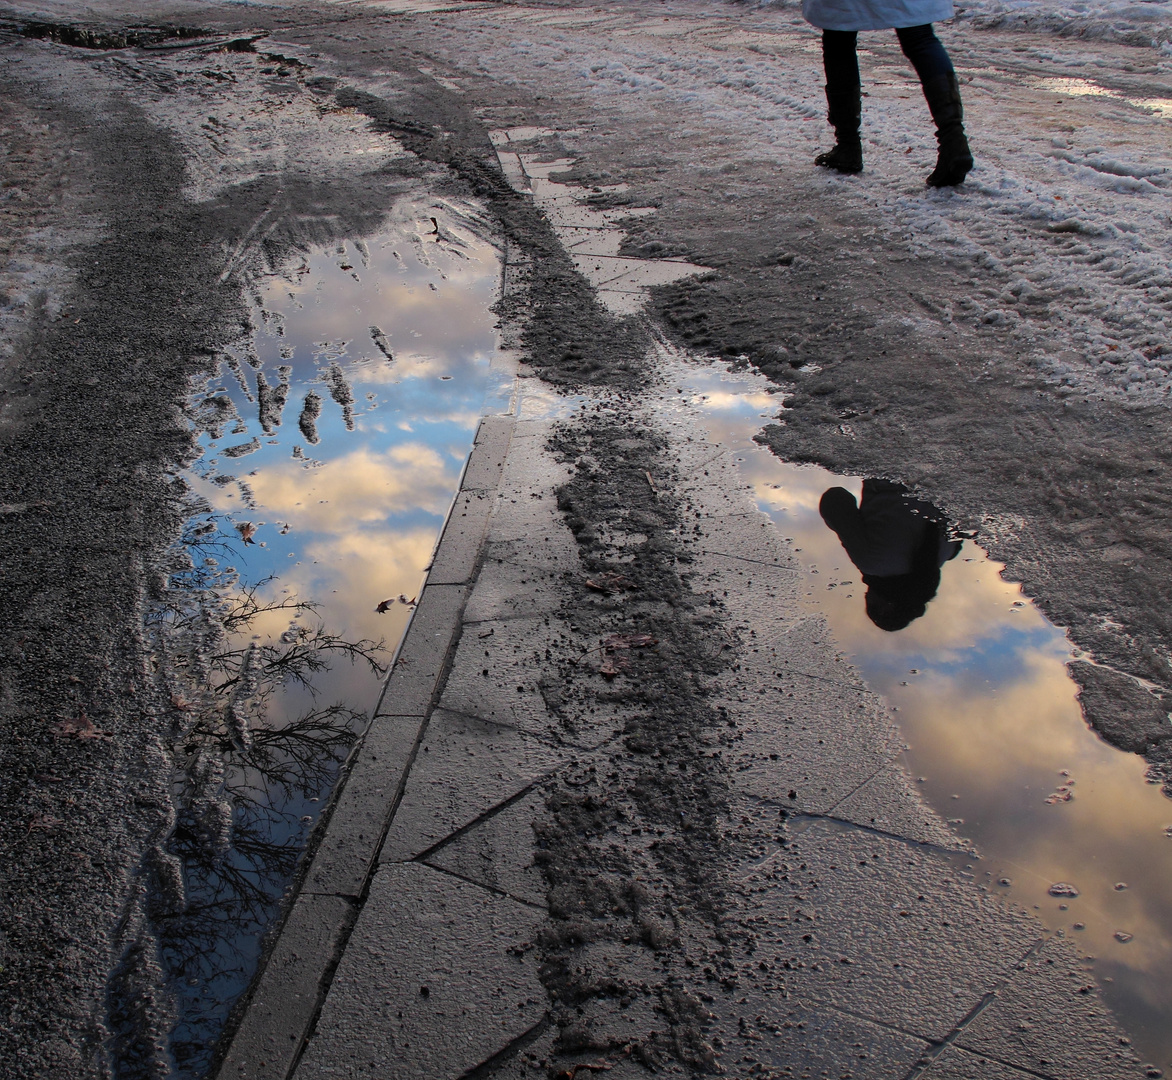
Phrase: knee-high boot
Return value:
(844, 110)
(954, 159)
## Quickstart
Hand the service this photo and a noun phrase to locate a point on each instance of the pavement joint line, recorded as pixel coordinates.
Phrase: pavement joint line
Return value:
(301, 1037)
(490, 1065)
(543, 740)
(519, 617)
(857, 788)
(504, 804)
(927, 1060)
(495, 890)
(487, 815)
(803, 815)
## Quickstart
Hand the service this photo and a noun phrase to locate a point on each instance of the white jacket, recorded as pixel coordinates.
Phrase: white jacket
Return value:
(874, 14)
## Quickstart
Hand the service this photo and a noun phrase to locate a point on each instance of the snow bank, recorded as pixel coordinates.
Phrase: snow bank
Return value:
(1067, 238)
(1146, 22)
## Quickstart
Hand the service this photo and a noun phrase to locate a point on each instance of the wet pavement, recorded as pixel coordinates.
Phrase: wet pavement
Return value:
(656, 781)
(336, 436)
(995, 737)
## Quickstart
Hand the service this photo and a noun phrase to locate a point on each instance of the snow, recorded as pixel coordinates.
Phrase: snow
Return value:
(1148, 22)
(1064, 224)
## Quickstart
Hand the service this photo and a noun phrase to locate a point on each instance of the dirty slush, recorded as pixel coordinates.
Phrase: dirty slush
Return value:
(132, 690)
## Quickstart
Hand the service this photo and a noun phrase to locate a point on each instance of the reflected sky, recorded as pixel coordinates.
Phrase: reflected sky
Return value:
(336, 437)
(997, 740)
(350, 519)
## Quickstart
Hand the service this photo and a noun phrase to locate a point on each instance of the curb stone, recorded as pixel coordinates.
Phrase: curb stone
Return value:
(278, 1014)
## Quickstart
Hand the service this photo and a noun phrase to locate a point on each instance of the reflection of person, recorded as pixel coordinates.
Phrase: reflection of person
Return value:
(898, 544)
(840, 22)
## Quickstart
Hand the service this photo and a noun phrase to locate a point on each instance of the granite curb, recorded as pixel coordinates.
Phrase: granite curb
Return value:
(278, 1014)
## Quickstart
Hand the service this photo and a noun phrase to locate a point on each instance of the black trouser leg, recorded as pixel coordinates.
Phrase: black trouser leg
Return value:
(844, 101)
(942, 92)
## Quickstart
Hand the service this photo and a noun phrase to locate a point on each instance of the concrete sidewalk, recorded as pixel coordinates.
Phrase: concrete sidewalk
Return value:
(624, 806)
(849, 936)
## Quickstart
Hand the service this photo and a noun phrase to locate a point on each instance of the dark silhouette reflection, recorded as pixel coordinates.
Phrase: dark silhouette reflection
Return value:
(897, 542)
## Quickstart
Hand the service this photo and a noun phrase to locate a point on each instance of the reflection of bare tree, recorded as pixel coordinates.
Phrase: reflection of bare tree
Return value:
(247, 782)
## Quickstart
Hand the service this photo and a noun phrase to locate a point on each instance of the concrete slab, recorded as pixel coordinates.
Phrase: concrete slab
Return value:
(285, 998)
(513, 692)
(520, 575)
(436, 978)
(488, 454)
(511, 166)
(1049, 1019)
(498, 851)
(412, 682)
(343, 860)
(465, 767)
(820, 736)
(798, 1038)
(593, 241)
(889, 802)
(459, 548)
(880, 929)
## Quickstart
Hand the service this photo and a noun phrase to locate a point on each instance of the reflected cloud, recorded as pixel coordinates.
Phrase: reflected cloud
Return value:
(996, 735)
(323, 521)
(362, 486)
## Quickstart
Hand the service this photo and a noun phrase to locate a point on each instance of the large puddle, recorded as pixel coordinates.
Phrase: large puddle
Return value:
(336, 438)
(996, 736)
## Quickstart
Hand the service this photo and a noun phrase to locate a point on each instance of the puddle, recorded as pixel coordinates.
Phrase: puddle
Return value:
(1085, 88)
(336, 440)
(996, 738)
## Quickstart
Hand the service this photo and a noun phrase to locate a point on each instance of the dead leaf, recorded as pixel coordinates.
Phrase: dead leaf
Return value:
(403, 600)
(180, 704)
(609, 582)
(79, 727)
(44, 821)
(384, 606)
(247, 531)
(611, 666)
(629, 641)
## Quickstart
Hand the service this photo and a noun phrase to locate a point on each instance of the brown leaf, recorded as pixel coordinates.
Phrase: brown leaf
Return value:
(609, 582)
(79, 727)
(629, 641)
(384, 606)
(247, 531)
(180, 704)
(611, 666)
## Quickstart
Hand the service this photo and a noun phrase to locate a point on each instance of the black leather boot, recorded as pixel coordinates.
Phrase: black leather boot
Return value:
(844, 110)
(954, 159)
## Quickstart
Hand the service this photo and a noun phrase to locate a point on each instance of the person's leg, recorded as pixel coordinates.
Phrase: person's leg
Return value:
(942, 92)
(843, 101)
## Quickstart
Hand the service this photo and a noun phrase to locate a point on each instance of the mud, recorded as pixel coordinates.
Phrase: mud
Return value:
(890, 377)
(609, 887)
(566, 334)
(1070, 491)
(94, 401)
